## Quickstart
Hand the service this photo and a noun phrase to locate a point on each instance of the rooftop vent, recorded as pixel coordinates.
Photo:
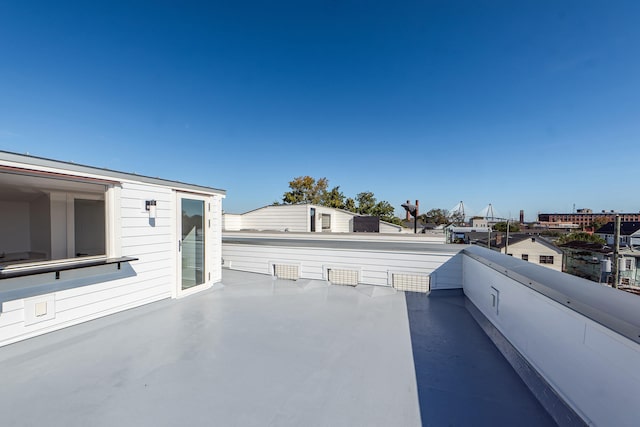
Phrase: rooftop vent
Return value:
(343, 276)
(286, 271)
(409, 282)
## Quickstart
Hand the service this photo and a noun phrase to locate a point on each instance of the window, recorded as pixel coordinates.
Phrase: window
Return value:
(525, 257)
(546, 259)
(326, 222)
(47, 217)
(628, 263)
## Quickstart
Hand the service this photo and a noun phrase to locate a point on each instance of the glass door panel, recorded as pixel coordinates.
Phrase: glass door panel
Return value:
(192, 243)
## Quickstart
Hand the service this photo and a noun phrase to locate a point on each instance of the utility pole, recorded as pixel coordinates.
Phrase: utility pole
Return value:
(616, 252)
(506, 245)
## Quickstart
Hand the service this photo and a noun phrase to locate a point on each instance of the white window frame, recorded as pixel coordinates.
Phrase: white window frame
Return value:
(67, 195)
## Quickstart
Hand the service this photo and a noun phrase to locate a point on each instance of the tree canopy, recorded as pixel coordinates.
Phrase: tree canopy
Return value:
(436, 216)
(579, 236)
(305, 189)
(502, 226)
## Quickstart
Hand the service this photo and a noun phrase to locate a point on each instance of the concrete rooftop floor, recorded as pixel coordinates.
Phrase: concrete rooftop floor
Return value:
(264, 352)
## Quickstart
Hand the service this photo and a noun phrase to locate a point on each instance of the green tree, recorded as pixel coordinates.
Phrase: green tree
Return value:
(334, 198)
(350, 205)
(599, 222)
(436, 216)
(502, 226)
(456, 218)
(366, 203)
(579, 236)
(385, 212)
(305, 189)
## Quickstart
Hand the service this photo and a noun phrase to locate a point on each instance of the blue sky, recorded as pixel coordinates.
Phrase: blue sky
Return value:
(528, 105)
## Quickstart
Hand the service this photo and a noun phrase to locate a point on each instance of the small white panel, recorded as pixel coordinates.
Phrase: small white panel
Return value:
(495, 299)
(39, 309)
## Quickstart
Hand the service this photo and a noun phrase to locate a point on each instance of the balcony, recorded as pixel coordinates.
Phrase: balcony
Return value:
(496, 342)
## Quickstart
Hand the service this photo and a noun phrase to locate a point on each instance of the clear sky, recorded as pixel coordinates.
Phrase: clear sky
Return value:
(530, 105)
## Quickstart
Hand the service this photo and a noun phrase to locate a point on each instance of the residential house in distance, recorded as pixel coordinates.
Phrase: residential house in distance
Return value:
(593, 261)
(305, 218)
(629, 233)
(534, 249)
(588, 260)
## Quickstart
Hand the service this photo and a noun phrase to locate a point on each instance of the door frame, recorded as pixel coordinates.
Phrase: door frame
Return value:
(178, 292)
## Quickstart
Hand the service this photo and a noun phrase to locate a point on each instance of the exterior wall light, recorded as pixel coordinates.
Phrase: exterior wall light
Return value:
(150, 206)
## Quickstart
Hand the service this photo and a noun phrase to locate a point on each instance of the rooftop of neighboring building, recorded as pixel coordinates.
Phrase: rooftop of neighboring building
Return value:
(499, 240)
(627, 228)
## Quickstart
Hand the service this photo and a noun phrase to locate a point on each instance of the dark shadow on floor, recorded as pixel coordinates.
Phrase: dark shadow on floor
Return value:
(463, 380)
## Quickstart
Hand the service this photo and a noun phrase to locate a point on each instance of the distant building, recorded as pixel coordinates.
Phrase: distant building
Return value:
(454, 234)
(593, 261)
(587, 260)
(305, 218)
(629, 233)
(582, 218)
(534, 249)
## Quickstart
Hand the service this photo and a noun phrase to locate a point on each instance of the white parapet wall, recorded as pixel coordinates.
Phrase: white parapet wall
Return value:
(591, 366)
(376, 258)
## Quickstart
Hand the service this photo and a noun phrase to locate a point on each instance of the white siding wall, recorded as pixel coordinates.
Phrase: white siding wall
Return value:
(390, 228)
(340, 221)
(100, 291)
(295, 218)
(232, 222)
(374, 265)
(586, 363)
(534, 250)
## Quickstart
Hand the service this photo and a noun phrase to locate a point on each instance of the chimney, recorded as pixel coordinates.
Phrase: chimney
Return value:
(408, 215)
(417, 208)
(521, 216)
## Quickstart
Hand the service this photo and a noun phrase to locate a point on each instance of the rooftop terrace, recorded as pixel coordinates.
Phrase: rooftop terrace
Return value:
(497, 341)
(262, 351)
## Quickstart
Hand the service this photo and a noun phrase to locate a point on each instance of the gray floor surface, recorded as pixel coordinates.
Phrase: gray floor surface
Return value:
(264, 352)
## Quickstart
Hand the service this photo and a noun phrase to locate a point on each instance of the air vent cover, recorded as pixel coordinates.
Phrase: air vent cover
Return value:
(343, 277)
(286, 271)
(410, 282)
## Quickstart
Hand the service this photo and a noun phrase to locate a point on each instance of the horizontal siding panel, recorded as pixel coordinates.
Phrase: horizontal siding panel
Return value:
(141, 212)
(161, 265)
(374, 265)
(143, 250)
(158, 230)
(159, 277)
(18, 332)
(128, 242)
(150, 193)
(117, 292)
